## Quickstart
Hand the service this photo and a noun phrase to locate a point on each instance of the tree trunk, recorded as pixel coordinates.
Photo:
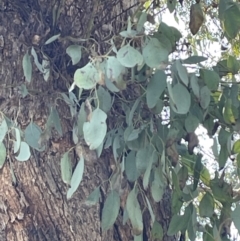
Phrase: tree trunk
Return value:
(33, 202)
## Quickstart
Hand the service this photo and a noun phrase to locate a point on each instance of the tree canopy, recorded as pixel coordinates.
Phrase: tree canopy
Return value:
(143, 96)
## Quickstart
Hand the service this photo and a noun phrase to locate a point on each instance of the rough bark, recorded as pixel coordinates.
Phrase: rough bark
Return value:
(34, 206)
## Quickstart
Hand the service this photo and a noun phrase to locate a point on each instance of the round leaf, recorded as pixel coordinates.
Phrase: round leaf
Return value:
(32, 135)
(181, 99)
(191, 123)
(86, 77)
(24, 152)
(95, 130)
(154, 53)
(129, 57)
(113, 68)
(75, 53)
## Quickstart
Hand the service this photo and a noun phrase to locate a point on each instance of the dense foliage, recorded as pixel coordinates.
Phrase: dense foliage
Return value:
(144, 99)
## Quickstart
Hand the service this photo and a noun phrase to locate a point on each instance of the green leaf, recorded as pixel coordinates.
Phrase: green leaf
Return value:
(129, 57)
(23, 90)
(17, 143)
(228, 115)
(205, 97)
(82, 117)
(3, 154)
(223, 157)
(75, 53)
(223, 137)
(154, 53)
(175, 181)
(76, 178)
(53, 38)
(168, 36)
(3, 129)
(138, 237)
(235, 217)
(233, 64)
(54, 121)
(153, 159)
(176, 224)
(192, 225)
(171, 4)
(111, 86)
(142, 157)
(150, 210)
(104, 98)
(95, 130)
(181, 99)
(197, 171)
(177, 202)
(157, 109)
(46, 68)
(24, 152)
(142, 20)
(131, 113)
(206, 206)
(27, 67)
(94, 197)
(110, 210)
(35, 57)
(86, 77)
(134, 213)
(130, 167)
(236, 147)
(155, 88)
(182, 72)
(66, 168)
(231, 14)
(157, 186)
(194, 60)
(157, 231)
(191, 123)
(194, 85)
(208, 234)
(211, 78)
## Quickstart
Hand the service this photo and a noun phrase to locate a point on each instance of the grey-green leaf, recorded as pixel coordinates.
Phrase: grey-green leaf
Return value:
(205, 97)
(3, 129)
(154, 53)
(95, 130)
(24, 152)
(75, 53)
(66, 168)
(155, 88)
(93, 198)
(27, 67)
(3, 154)
(129, 57)
(181, 101)
(110, 210)
(134, 212)
(76, 178)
